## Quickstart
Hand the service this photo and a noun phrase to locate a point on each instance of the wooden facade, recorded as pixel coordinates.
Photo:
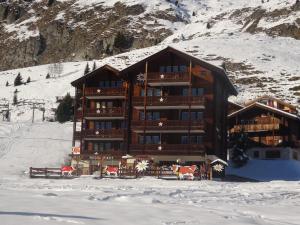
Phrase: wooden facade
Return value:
(268, 127)
(168, 106)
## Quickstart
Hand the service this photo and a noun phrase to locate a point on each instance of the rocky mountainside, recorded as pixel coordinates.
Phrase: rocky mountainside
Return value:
(258, 41)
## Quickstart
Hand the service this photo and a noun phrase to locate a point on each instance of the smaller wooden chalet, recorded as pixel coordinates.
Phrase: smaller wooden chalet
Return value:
(272, 126)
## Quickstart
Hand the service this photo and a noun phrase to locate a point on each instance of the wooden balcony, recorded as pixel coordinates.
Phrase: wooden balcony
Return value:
(173, 126)
(115, 112)
(255, 127)
(169, 102)
(109, 134)
(167, 79)
(105, 93)
(167, 149)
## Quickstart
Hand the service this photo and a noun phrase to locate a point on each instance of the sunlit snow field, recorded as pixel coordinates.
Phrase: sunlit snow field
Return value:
(85, 200)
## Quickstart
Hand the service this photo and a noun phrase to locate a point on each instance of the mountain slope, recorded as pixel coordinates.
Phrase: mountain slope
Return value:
(259, 43)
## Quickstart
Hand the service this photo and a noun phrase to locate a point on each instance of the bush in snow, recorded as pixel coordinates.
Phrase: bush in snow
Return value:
(18, 80)
(239, 142)
(7, 84)
(64, 110)
(48, 76)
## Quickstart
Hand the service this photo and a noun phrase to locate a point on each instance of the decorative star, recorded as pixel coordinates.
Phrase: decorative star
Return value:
(161, 99)
(162, 76)
(160, 124)
(159, 148)
(218, 167)
(98, 90)
(98, 111)
(97, 132)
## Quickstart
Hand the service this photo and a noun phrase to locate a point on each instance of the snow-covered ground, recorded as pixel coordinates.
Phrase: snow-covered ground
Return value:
(116, 201)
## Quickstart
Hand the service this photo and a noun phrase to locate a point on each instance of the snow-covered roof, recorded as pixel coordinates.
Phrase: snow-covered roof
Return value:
(220, 161)
(263, 106)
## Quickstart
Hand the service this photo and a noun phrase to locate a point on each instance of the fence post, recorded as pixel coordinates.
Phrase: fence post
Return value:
(100, 171)
(46, 172)
(30, 172)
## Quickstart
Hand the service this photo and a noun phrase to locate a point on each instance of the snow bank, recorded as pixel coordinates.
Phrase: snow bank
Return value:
(268, 170)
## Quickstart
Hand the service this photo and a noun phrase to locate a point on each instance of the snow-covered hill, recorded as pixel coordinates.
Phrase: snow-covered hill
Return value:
(259, 43)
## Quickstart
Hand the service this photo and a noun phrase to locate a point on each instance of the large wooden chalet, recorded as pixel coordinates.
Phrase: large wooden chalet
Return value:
(272, 125)
(168, 107)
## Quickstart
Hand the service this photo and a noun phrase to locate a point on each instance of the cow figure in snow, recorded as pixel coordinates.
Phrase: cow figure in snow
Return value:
(184, 172)
(111, 170)
(67, 170)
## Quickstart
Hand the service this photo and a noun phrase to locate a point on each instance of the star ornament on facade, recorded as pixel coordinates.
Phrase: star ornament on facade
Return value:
(98, 111)
(160, 124)
(218, 167)
(97, 132)
(159, 148)
(162, 76)
(98, 90)
(161, 99)
(141, 77)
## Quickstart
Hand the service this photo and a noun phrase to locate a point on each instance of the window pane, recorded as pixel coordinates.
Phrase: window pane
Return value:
(156, 115)
(169, 69)
(150, 92)
(183, 68)
(157, 92)
(109, 104)
(199, 115)
(141, 139)
(184, 116)
(193, 139)
(113, 83)
(108, 146)
(107, 83)
(175, 69)
(162, 69)
(199, 139)
(101, 146)
(119, 83)
(142, 92)
(185, 92)
(149, 115)
(108, 125)
(184, 139)
(142, 116)
(101, 84)
(194, 91)
(148, 140)
(155, 140)
(193, 115)
(200, 91)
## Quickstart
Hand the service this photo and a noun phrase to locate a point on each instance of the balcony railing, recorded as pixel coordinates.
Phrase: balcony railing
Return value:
(168, 100)
(106, 133)
(166, 125)
(107, 112)
(168, 77)
(167, 149)
(255, 127)
(105, 91)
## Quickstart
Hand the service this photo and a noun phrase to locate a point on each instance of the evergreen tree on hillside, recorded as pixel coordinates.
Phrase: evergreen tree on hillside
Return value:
(87, 69)
(239, 143)
(15, 99)
(48, 76)
(50, 2)
(94, 66)
(7, 84)
(28, 80)
(18, 80)
(64, 110)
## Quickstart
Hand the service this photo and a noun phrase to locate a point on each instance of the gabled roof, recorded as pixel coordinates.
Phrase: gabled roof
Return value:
(92, 73)
(271, 98)
(266, 107)
(236, 104)
(207, 65)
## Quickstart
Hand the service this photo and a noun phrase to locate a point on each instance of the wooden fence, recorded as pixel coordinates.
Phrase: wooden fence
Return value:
(45, 173)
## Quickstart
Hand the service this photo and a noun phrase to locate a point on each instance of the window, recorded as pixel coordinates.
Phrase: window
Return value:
(162, 69)
(119, 83)
(169, 69)
(157, 92)
(103, 125)
(175, 69)
(142, 115)
(183, 68)
(106, 83)
(113, 83)
(149, 139)
(153, 115)
(197, 91)
(184, 140)
(185, 91)
(184, 115)
(143, 92)
(196, 139)
(256, 154)
(101, 84)
(272, 154)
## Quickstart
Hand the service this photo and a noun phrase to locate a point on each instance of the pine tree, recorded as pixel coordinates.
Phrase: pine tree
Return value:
(48, 76)
(15, 99)
(224, 66)
(208, 25)
(94, 66)
(87, 69)
(7, 84)
(239, 143)
(50, 2)
(64, 110)
(18, 80)
(28, 80)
